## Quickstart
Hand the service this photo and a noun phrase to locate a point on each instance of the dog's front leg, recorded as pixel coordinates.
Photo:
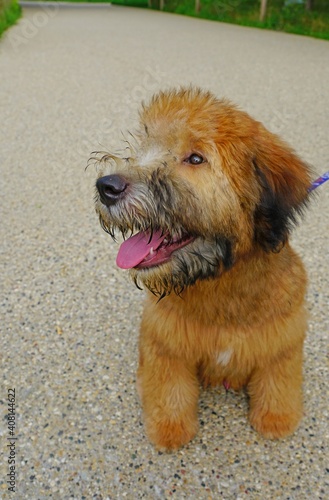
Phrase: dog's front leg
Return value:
(275, 391)
(169, 391)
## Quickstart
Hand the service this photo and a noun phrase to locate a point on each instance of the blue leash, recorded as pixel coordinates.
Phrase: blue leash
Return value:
(319, 181)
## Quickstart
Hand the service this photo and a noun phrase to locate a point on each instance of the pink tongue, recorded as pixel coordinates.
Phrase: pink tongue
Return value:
(137, 247)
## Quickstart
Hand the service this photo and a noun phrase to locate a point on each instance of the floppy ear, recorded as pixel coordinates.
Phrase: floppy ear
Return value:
(284, 181)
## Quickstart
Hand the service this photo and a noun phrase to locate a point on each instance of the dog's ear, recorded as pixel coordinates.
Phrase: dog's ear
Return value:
(284, 181)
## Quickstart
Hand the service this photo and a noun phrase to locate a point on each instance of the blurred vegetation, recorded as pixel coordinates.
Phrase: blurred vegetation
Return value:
(131, 3)
(128, 3)
(290, 16)
(10, 11)
(282, 15)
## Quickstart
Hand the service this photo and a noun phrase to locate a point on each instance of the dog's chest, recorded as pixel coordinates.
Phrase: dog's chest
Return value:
(224, 357)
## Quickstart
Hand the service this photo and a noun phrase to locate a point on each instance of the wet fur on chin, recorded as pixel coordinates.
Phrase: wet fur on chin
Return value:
(187, 266)
(232, 307)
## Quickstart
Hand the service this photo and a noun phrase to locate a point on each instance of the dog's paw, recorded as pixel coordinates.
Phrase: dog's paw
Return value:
(169, 435)
(274, 425)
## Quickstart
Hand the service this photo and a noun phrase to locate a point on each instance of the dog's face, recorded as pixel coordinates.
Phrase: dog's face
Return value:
(204, 185)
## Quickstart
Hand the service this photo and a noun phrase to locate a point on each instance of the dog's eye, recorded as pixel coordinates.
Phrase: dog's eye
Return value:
(194, 159)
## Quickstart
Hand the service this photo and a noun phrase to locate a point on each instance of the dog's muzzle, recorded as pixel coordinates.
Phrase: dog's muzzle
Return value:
(111, 188)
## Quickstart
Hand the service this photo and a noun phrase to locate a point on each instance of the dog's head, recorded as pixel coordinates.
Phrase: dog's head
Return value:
(202, 185)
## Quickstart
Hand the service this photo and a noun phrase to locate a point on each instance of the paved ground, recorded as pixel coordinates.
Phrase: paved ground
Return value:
(70, 81)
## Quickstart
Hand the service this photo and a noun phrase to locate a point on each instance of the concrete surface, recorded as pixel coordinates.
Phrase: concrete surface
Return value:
(71, 80)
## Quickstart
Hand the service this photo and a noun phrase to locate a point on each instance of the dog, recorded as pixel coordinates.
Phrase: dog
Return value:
(206, 198)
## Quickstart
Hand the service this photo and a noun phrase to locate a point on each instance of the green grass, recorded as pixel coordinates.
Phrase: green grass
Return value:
(290, 18)
(10, 11)
(128, 3)
(131, 3)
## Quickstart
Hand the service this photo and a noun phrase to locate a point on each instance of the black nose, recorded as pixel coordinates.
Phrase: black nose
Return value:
(110, 188)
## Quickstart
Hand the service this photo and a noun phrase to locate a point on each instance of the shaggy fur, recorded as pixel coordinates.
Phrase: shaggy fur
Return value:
(221, 193)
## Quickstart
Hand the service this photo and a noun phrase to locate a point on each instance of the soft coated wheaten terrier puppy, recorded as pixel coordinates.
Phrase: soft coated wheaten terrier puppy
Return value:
(206, 199)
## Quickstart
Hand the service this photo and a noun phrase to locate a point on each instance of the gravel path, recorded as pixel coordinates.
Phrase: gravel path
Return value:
(71, 80)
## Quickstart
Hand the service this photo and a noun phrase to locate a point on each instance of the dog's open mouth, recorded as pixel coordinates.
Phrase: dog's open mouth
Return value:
(143, 250)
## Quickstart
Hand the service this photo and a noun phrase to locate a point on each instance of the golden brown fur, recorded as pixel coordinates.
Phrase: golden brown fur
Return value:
(232, 300)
